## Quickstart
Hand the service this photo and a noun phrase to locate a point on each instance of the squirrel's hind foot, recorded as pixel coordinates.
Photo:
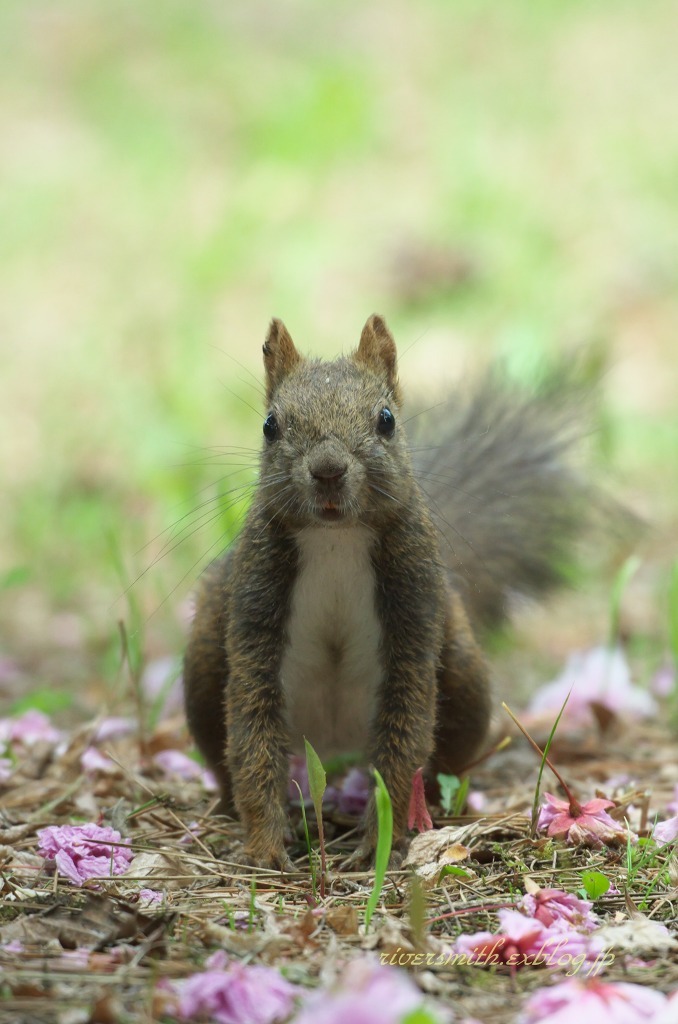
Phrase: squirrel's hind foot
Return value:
(272, 860)
(363, 858)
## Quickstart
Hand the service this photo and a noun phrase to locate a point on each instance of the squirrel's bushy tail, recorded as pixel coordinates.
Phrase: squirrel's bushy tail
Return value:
(503, 488)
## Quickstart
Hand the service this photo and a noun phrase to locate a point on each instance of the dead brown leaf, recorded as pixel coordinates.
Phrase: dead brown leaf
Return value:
(343, 920)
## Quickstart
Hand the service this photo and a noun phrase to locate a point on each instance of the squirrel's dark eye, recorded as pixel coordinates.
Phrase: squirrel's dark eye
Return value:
(386, 423)
(271, 429)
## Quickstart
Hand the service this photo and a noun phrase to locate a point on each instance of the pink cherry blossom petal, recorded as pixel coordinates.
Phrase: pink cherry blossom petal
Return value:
(354, 793)
(663, 683)
(176, 763)
(236, 994)
(66, 865)
(523, 941)
(13, 946)
(589, 825)
(31, 727)
(669, 1012)
(350, 796)
(85, 851)
(600, 676)
(112, 728)
(666, 831)
(552, 906)
(593, 1002)
(366, 993)
(476, 800)
(92, 761)
(149, 897)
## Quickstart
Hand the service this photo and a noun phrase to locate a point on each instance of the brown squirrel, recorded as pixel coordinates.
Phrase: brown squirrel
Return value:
(343, 612)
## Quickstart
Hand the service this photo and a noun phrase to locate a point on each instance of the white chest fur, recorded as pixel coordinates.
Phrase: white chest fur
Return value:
(331, 665)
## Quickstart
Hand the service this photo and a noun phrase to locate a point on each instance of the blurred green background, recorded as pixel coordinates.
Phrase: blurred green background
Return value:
(494, 178)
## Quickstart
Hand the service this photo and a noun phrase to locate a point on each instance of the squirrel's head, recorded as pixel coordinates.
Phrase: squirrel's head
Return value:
(334, 449)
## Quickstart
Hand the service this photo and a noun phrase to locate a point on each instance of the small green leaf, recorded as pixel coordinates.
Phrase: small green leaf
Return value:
(317, 780)
(451, 869)
(595, 883)
(449, 785)
(419, 1016)
(384, 841)
(49, 701)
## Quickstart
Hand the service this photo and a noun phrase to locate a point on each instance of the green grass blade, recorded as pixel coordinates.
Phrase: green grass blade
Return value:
(308, 837)
(537, 790)
(384, 843)
(317, 782)
(417, 911)
(460, 797)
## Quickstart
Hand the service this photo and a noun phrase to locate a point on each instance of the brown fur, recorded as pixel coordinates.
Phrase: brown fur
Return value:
(432, 706)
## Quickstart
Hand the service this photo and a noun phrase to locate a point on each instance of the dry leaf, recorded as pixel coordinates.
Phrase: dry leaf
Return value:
(245, 942)
(389, 938)
(159, 865)
(343, 920)
(429, 846)
(106, 1010)
(32, 930)
(35, 794)
(638, 936)
(101, 922)
(14, 833)
(431, 851)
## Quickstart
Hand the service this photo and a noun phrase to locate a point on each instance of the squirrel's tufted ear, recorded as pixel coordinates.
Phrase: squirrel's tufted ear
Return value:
(377, 350)
(280, 356)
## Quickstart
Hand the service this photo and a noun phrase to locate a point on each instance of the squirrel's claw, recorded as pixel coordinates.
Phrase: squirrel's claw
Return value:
(362, 859)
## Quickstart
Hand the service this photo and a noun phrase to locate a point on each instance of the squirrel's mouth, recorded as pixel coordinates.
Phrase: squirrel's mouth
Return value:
(329, 511)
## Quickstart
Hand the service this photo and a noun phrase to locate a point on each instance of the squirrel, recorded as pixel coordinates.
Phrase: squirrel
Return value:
(343, 613)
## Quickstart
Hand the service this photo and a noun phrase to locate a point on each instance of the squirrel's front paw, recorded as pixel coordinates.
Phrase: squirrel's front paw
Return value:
(265, 835)
(272, 860)
(279, 861)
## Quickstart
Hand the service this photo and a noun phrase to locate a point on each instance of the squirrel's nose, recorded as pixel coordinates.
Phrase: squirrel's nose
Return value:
(328, 462)
(328, 472)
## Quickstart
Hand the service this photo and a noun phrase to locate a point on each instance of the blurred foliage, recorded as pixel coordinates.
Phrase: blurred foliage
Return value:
(497, 179)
